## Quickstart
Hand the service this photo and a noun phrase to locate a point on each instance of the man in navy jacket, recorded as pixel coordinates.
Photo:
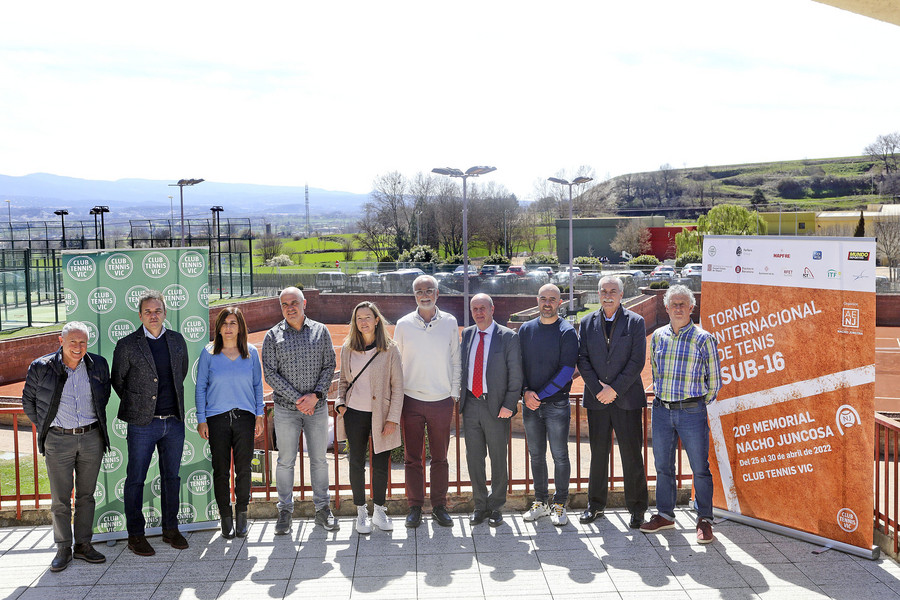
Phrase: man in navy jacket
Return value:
(611, 356)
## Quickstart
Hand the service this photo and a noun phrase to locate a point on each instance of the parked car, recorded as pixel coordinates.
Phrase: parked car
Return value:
(576, 271)
(399, 282)
(545, 269)
(365, 281)
(461, 268)
(692, 269)
(667, 271)
(490, 270)
(517, 269)
(332, 281)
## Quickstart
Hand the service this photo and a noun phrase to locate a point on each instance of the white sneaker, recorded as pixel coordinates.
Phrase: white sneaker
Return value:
(558, 514)
(363, 524)
(538, 509)
(381, 520)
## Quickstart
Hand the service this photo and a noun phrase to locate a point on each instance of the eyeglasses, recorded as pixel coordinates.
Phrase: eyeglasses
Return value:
(425, 292)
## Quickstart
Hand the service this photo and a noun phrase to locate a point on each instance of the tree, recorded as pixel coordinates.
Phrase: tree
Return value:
(790, 189)
(860, 230)
(446, 208)
(728, 219)
(347, 248)
(884, 149)
(688, 240)
(758, 198)
(631, 237)
(375, 234)
(394, 209)
(528, 229)
(269, 246)
(887, 245)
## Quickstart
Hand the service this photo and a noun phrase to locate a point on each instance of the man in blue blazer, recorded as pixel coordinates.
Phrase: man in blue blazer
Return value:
(611, 355)
(492, 382)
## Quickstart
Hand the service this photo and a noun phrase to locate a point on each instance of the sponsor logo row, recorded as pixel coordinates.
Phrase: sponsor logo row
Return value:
(862, 255)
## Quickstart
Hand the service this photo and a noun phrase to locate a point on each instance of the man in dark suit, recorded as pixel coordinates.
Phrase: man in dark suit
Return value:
(148, 371)
(611, 356)
(492, 379)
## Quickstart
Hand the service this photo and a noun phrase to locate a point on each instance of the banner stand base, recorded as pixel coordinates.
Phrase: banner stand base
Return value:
(111, 537)
(826, 543)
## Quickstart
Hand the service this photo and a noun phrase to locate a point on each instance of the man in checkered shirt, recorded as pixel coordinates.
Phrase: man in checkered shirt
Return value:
(298, 361)
(686, 377)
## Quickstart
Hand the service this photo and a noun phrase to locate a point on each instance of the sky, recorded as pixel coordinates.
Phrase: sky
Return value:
(336, 94)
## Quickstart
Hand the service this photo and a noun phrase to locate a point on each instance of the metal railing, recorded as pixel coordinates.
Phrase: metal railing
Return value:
(887, 477)
(517, 454)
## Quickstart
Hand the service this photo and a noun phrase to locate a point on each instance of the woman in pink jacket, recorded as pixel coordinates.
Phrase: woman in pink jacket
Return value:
(370, 402)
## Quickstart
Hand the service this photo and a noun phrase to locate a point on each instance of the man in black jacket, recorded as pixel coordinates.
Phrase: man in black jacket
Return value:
(611, 356)
(65, 396)
(148, 371)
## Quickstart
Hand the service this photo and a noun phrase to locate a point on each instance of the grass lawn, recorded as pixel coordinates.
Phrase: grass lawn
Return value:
(26, 476)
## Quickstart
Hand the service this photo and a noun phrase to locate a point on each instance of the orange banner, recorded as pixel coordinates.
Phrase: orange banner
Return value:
(792, 428)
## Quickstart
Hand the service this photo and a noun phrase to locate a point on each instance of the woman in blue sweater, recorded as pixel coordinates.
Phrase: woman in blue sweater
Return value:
(230, 413)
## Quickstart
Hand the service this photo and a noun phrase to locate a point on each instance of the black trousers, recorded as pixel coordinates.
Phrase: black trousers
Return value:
(231, 433)
(358, 426)
(629, 435)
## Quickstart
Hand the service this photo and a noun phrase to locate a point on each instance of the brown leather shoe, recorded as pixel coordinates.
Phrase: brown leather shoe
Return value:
(174, 538)
(140, 546)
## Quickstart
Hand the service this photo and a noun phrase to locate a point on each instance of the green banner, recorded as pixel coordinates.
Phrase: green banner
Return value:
(101, 289)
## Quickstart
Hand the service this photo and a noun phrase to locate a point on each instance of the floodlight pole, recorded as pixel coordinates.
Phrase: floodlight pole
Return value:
(576, 181)
(472, 172)
(62, 217)
(180, 185)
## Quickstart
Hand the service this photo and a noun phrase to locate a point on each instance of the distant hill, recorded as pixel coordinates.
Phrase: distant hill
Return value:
(36, 196)
(815, 184)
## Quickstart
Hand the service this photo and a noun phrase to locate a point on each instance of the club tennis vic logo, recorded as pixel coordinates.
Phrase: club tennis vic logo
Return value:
(81, 268)
(119, 266)
(156, 265)
(191, 264)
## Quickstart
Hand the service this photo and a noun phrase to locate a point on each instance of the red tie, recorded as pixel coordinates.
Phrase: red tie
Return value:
(478, 373)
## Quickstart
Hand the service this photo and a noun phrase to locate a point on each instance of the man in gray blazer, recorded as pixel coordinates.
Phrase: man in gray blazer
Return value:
(148, 371)
(611, 355)
(492, 379)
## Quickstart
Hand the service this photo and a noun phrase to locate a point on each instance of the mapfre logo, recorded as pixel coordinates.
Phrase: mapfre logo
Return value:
(858, 255)
(781, 255)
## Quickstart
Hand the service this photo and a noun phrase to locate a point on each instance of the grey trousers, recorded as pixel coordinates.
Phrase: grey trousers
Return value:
(486, 435)
(73, 460)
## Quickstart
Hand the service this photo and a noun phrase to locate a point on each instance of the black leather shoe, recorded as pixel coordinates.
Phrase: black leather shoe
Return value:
(495, 518)
(636, 520)
(441, 516)
(592, 514)
(414, 518)
(227, 527)
(140, 546)
(241, 526)
(174, 538)
(478, 517)
(61, 560)
(87, 553)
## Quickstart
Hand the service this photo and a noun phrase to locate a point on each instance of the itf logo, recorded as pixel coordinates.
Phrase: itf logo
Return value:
(850, 318)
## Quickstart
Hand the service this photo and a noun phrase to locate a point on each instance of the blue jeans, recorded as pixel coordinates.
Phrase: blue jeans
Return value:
(549, 423)
(167, 436)
(288, 426)
(691, 426)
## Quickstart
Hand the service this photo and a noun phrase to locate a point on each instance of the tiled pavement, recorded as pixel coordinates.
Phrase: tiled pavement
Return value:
(518, 560)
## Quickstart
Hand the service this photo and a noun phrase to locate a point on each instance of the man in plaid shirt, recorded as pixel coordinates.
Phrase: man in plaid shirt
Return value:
(686, 377)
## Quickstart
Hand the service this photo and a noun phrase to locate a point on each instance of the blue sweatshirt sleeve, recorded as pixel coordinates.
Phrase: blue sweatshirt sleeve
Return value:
(568, 356)
(256, 366)
(202, 385)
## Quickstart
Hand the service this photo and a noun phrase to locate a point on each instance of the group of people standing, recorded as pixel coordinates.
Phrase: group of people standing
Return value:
(400, 390)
